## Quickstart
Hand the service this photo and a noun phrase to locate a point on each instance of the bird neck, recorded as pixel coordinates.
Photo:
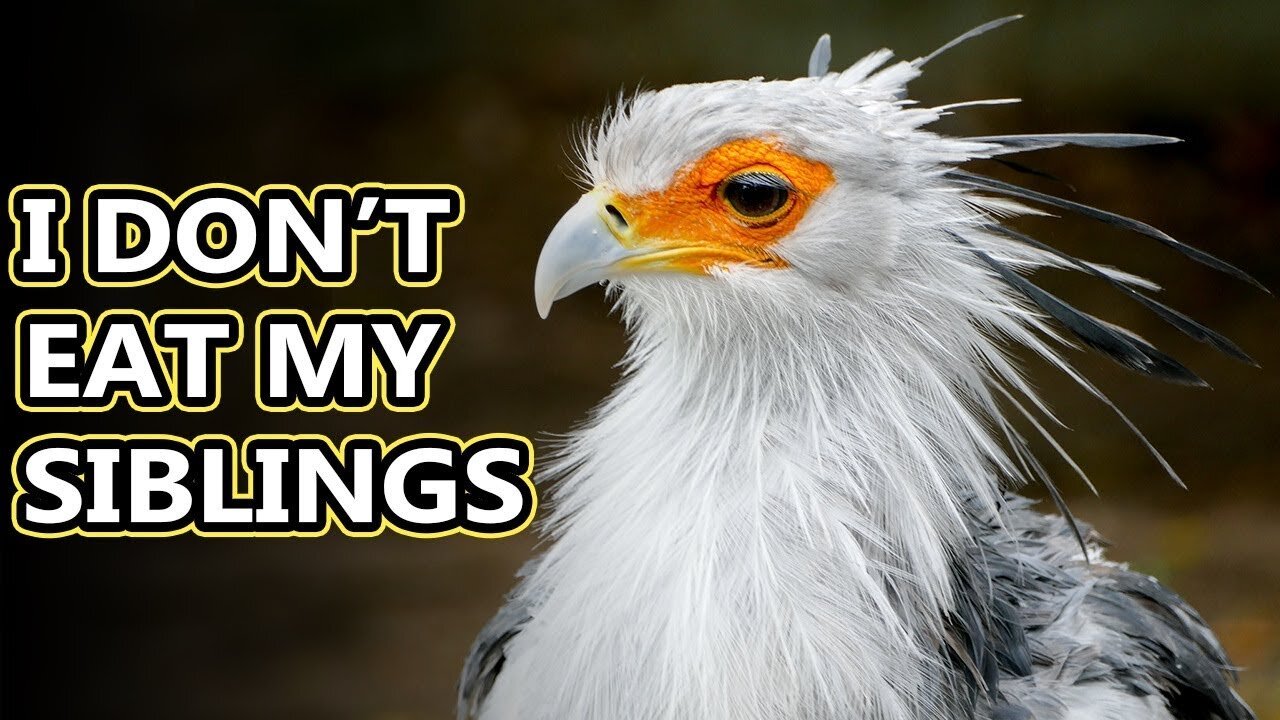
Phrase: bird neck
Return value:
(810, 475)
(807, 404)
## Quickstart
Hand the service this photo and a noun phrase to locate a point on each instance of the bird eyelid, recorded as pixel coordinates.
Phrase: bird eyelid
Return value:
(765, 174)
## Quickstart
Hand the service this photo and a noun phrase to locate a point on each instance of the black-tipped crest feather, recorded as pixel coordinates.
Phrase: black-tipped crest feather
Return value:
(981, 181)
(1113, 341)
(1186, 325)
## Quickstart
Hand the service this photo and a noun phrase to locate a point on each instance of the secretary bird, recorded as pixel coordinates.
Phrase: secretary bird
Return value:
(796, 503)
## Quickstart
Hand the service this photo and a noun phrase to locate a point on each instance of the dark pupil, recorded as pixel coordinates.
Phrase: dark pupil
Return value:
(756, 195)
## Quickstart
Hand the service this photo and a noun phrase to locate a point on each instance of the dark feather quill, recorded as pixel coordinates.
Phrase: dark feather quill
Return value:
(1110, 218)
(1114, 342)
(1186, 325)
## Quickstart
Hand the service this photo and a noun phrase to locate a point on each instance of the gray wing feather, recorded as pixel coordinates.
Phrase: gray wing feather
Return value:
(1189, 663)
(1023, 595)
(487, 656)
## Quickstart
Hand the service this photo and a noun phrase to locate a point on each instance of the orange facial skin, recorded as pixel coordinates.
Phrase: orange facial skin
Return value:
(690, 226)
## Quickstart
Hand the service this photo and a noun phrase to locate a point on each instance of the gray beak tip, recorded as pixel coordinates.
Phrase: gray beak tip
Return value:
(579, 252)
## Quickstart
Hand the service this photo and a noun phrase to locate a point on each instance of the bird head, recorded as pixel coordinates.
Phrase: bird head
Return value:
(829, 195)
(789, 185)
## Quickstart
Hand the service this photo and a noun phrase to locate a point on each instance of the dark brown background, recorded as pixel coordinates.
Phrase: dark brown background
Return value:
(484, 95)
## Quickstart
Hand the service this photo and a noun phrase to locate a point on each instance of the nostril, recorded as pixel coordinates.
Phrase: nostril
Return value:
(616, 215)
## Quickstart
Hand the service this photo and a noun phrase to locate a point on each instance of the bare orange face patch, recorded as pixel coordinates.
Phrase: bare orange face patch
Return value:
(730, 206)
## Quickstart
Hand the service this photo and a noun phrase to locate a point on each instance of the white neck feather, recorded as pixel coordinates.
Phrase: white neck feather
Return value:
(760, 521)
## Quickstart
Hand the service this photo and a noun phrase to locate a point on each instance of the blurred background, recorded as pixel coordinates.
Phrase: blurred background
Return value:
(484, 95)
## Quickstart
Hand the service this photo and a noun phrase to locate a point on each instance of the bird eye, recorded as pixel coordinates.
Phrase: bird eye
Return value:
(758, 197)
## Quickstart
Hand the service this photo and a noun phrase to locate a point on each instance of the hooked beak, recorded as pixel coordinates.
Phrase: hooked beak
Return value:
(594, 241)
(582, 249)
